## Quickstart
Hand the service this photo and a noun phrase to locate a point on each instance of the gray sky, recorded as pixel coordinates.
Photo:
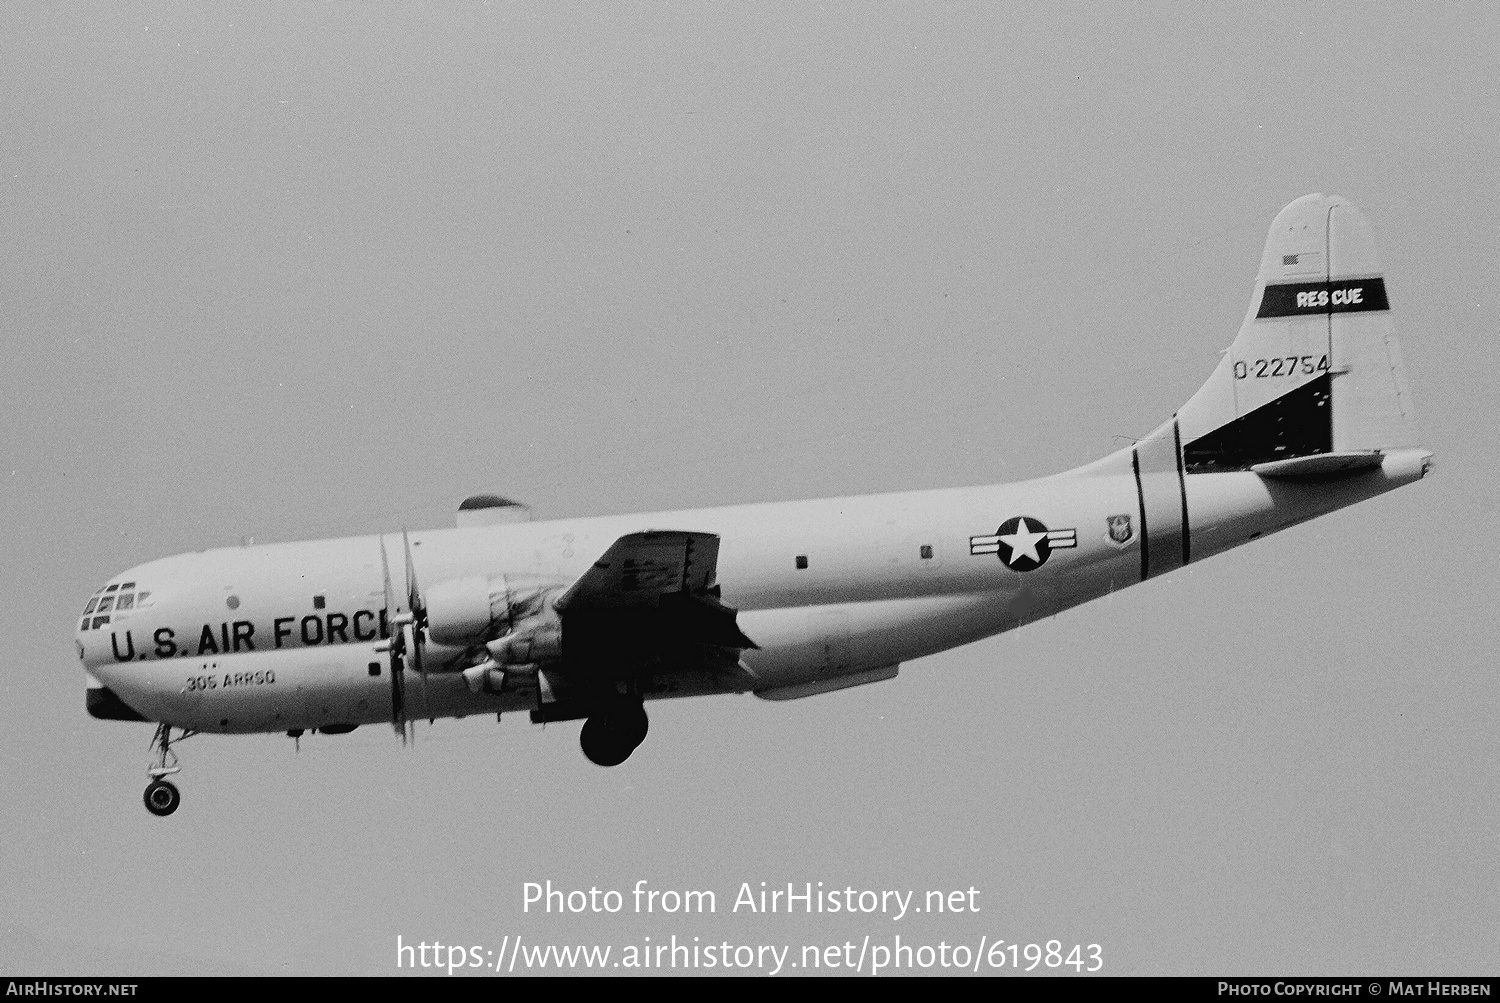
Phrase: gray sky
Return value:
(287, 273)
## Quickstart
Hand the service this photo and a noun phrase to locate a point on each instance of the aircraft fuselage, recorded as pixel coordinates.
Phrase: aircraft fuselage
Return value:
(288, 637)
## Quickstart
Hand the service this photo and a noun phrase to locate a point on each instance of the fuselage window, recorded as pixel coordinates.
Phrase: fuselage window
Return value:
(143, 597)
(112, 588)
(100, 621)
(319, 602)
(128, 587)
(84, 625)
(125, 601)
(106, 604)
(90, 607)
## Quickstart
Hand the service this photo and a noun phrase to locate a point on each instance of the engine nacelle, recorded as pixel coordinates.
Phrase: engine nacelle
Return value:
(496, 679)
(538, 642)
(467, 611)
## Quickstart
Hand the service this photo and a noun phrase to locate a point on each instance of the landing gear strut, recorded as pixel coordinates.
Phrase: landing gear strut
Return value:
(162, 797)
(612, 734)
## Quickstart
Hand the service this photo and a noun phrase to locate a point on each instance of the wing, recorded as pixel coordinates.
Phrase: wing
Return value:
(657, 588)
(639, 568)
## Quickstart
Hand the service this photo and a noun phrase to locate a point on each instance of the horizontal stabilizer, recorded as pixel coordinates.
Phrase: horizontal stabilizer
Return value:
(1320, 466)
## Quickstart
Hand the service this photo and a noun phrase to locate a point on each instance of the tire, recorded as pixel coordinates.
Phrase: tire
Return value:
(630, 724)
(162, 797)
(603, 745)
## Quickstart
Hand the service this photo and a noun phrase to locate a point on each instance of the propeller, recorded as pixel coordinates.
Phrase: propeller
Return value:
(396, 645)
(417, 615)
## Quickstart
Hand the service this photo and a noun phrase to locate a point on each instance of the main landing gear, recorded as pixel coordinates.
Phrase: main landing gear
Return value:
(162, 796)
(611, 734)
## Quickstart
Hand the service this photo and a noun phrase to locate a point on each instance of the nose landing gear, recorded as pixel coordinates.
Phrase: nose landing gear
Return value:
(162, 796)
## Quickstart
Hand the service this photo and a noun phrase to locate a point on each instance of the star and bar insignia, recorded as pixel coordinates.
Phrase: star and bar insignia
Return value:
(1024, 543)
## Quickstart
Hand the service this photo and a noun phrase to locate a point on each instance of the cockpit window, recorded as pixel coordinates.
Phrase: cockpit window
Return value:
(118, 598)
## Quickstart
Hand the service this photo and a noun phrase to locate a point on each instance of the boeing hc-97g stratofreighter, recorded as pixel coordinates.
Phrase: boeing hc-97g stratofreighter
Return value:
(587, 618)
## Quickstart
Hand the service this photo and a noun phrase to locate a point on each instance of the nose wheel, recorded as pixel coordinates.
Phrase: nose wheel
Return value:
(162, 796)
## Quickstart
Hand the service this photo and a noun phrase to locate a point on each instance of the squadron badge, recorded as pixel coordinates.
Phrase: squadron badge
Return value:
(1120, 531)
(1023, 543)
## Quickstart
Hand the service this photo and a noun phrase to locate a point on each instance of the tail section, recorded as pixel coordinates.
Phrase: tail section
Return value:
(1315, 375)
(1310, 394)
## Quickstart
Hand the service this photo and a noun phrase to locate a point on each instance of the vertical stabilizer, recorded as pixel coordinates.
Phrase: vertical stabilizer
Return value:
(1307, 412)
(1315, 368)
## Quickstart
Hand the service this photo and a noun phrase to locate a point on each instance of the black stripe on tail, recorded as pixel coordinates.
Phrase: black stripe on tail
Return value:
(1312, 299)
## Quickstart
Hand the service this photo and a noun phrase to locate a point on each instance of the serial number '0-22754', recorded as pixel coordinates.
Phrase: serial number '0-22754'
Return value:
(1284, 365)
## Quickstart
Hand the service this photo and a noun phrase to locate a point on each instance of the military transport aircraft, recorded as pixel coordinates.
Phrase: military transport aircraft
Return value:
(587, 618)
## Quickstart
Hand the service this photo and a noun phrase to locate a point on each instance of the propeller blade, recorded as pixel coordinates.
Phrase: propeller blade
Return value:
(418, 615)
(385, 572)
(396, 645)
(398, 696)
(413, 594)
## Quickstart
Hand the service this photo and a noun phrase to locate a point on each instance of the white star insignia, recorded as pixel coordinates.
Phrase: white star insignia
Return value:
(1023, 541)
